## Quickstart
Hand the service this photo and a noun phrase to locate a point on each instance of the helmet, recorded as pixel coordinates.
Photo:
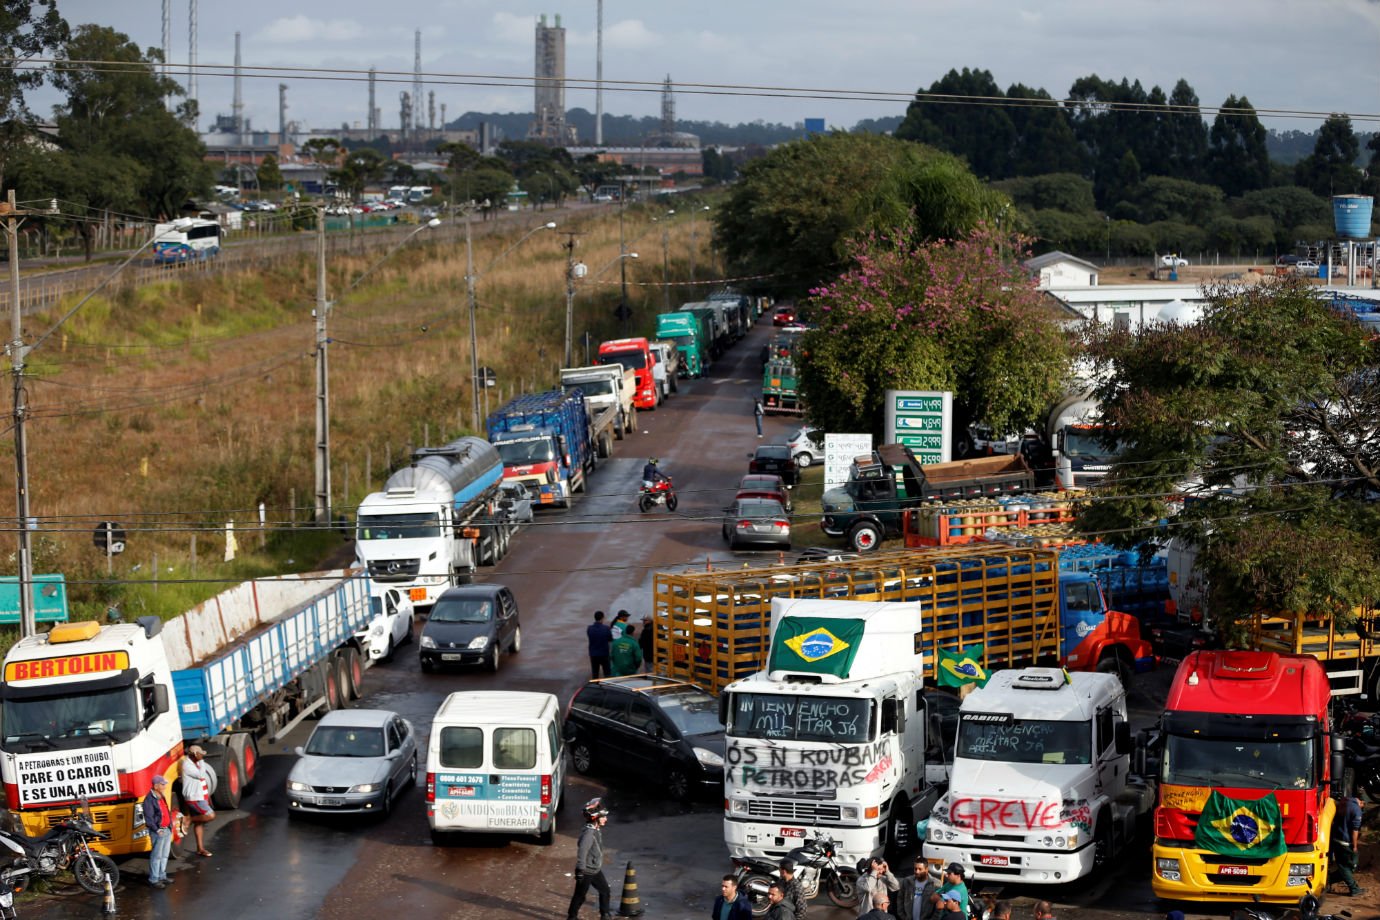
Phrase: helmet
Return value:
(594, 808)
(653, 461)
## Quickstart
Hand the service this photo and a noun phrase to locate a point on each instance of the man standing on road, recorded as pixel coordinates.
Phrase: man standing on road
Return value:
(647, 639)
(795, 893)
(1346, 842)
(913, 901)
(731, 904)
(880, 902)
(778, 908)
(599, 639)
(758, 412)
(589, 862)
(878, 880)
(158, 819)
(196, 794)
(954, 887)
(625, 655)
(620, 622)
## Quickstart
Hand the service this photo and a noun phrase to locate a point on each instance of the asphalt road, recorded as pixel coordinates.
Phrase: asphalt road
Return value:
(600, 555)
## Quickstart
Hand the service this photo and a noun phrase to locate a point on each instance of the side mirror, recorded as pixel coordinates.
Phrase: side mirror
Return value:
(723, 709)
(300, 751)
(1122, 735)
(394, 754)
(160, 698)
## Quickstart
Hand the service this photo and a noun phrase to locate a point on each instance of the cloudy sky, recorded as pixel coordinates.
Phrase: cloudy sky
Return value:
(1302, 55)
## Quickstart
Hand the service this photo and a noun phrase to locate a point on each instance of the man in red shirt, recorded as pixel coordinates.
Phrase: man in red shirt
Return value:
(158, 819)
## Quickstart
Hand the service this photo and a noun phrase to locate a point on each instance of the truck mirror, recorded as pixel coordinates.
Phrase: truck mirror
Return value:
(936, 740)
(1122, 732)
(160, 699)
(1338, 766)
(723, 709)
(1338, 744)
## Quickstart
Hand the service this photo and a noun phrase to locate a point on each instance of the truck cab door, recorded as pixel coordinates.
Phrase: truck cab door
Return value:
(1111, 765)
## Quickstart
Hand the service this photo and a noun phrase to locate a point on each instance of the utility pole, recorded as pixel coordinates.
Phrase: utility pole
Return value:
(666, 265)
(18, 352)
(570, 273)
(623, 310)
(474, 334)
(323, 429)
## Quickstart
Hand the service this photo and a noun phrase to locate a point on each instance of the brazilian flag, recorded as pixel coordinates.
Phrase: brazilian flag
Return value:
(815, 645)
(955, 669)
(1239, 827)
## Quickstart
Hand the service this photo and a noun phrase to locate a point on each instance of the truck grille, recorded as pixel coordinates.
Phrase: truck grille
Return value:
(98, 819)
(385, 569)
(792, 811)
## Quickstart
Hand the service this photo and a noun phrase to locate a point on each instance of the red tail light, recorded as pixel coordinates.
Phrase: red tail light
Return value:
(743, 524)
(431, 787)
(546, 789)
(784, 525)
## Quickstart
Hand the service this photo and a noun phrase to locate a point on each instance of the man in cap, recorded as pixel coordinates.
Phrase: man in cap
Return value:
(954, 886)
(589, 861)
(158, 819)
(949, 908)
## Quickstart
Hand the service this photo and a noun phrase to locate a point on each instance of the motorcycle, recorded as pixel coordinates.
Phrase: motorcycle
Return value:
(13, 879)
(661, 493)
(1308, 909)
(815, 868)
(66, 846)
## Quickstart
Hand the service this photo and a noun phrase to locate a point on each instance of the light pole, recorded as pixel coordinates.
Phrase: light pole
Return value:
(470, 279)
(575, 271)
(322, 508)
(693, 212)
(666, 262)
(1108, 219)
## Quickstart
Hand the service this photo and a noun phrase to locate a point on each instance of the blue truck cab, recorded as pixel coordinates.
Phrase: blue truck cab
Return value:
(544, 440)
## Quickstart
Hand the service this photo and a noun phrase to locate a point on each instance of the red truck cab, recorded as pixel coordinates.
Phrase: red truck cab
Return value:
(635, 354)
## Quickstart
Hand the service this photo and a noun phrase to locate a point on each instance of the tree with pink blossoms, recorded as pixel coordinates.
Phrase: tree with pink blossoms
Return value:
(915, 314)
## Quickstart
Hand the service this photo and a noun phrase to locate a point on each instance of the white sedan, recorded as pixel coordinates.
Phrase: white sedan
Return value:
(390, 625)
(1173, 261)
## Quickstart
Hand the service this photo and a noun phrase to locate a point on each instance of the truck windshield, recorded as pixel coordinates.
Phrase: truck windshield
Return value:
(782, 717)
(1024, 740)
(593, 387)
(1193, 761)
(634, 360)
(688, 339)
(70, 719)
(1084, 443)
(399, 526)
(525, 453)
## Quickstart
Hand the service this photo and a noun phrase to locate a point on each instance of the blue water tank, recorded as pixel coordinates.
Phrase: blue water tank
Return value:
(1351, 215)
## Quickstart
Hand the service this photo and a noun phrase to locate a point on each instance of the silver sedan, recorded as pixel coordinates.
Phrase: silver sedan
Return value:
(356, 761)
(756, 520)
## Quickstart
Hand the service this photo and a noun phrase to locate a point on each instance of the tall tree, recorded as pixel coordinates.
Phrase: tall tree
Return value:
(1331, 169)
(357, 169)
(979, 131)
(1188, 135)
(269, 175)
(1045, 142)
(1237, 158)
(1107, 120)
(932, 315)
(28, 29)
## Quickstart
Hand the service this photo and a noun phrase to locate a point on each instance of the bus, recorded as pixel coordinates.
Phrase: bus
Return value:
(188, 239)
(418, 193)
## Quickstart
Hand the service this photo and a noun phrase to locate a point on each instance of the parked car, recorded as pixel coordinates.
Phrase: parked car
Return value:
(1306, 267)
(390, 626)
(765, 485)
(807, 445)
(1173, 261)
(756, 520)
(514, 503)
(782, 316)
(775, 458)
(356, 760)
(662, 729)
(471, 624)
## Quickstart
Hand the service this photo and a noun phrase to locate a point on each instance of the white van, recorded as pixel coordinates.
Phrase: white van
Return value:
(495, 763)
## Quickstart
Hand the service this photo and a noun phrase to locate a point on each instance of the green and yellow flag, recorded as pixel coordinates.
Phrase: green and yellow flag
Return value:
(954, 669)
(1238, 827)
(815, 645)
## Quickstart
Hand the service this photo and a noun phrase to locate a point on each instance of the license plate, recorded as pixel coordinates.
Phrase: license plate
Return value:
(992, 860)
(416, 594)
(1233, 870)
(793, 832)
(330, 802)
(450, 657)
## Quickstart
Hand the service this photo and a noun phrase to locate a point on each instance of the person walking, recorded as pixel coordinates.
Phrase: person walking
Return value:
(731, 904)
(625, 655)
(589, 862)
(159, 821)
(795, 892)
(196, 794)
(1346, 842)
(914, 900)
(757, 413)
(599, 638)
(647, 639)
(881, 902)
(877, 880)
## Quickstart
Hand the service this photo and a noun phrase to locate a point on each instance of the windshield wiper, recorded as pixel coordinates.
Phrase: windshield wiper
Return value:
(30, 737)
(87, 729)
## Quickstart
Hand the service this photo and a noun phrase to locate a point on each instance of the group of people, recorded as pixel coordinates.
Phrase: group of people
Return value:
(165, 824)
(616, 649)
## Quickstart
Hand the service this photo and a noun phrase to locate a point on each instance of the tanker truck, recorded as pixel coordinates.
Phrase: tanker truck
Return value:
(434, 522)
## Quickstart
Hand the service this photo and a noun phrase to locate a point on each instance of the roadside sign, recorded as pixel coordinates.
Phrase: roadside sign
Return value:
(48, 594)
(923, 421)
(839, 451)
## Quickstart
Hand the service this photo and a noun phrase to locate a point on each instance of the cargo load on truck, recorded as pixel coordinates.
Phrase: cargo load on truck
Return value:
(604, 386)
(544, 441)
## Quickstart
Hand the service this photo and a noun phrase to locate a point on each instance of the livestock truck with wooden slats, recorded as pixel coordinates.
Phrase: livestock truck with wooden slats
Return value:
(92, 713)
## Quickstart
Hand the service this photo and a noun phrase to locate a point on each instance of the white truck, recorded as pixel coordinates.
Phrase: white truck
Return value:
(606, 385)
(435, 521)
(667, 368)
(1041, 791)
(831, 736)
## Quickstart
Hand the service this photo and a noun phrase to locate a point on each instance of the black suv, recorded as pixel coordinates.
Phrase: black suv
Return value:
(652, 726)
(777, 459)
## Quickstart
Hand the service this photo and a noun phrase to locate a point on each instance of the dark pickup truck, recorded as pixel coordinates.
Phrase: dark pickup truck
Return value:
(868, 507)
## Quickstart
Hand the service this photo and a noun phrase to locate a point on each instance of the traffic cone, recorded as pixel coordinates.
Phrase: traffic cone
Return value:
(108, 905)
(630, 905)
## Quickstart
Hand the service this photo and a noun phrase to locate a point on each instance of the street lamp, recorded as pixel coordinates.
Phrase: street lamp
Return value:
(322, 508)
(693, 212)
(666, 262)
(470, 279)
(575, 271)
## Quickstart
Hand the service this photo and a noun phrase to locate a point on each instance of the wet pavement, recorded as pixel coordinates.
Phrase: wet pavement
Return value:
(599, 555)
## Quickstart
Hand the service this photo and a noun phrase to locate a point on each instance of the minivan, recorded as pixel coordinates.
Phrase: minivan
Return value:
(495, 764)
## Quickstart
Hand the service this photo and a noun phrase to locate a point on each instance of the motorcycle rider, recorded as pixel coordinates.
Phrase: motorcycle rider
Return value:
(651, 475)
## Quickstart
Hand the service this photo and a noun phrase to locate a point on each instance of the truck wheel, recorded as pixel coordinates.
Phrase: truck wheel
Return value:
(675, 385)
(247, 750)
(632, 419)
(342, 670)
(1112, 663)
(226, 796)
(354, 671)
(865, 537)
(902, 822)
(330, 686)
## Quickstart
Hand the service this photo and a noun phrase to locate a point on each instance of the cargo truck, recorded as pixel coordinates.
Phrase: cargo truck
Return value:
(435, 521)
(717, 322)
(543, 439)
(869, 507)
(780, 387)
(636, 355)
(94, 712)
(605, 385)
(1247, 777)
(830, 737)
(1073, 441)
(690, 332)
(1040, 791)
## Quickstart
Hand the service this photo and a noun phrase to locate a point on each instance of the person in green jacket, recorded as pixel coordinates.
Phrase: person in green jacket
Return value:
(625, 655)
